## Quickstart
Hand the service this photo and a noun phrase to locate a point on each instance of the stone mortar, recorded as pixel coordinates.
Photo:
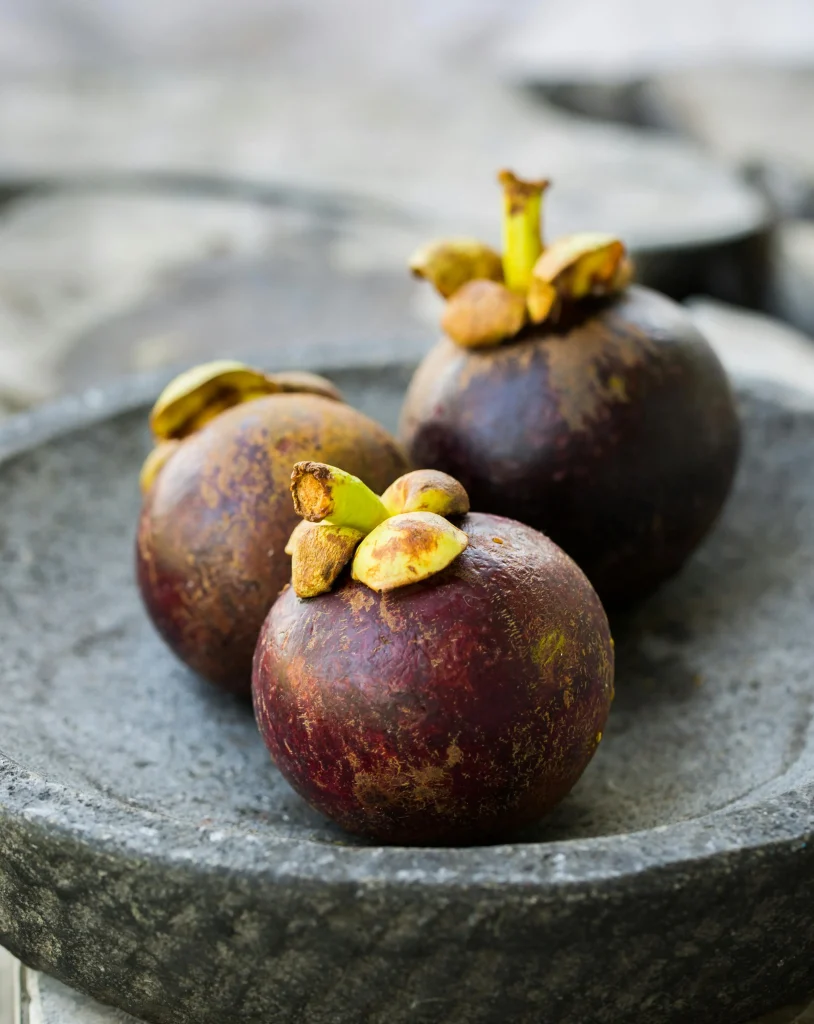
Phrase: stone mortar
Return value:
(151, 856)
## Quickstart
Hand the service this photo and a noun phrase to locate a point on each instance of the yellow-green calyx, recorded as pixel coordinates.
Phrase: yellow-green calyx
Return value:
(407, 548)
(426, 490)
(451, 263)
(198, 395)
(492, 297)
(326, 494)
(403, 537)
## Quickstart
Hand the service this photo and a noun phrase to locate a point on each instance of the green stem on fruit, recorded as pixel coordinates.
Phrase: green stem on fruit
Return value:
(324, 493)
(522, 238)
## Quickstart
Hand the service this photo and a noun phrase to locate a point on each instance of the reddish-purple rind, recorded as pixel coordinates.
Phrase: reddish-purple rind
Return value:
(448, 711)
(616, 434)
(210, 558)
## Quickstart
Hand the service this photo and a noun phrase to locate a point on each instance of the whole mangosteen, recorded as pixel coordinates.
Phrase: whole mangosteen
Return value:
(449, 688)
(217, 512)
(591, 410)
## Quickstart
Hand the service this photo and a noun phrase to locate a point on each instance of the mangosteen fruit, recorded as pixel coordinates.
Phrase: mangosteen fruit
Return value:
(217, 512)
(593, 410)
(432, 675)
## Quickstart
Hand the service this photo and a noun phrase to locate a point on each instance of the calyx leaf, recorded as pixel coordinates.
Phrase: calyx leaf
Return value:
(485, 306)
(401, 538)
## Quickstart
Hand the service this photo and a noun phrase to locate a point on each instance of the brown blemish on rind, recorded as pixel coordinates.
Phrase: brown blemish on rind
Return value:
(410, 789)
(454, 754)
(359, 600)
(581, 387)
(548, 647)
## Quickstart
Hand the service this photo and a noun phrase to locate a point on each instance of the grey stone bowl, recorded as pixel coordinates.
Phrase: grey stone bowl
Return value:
(151, 856)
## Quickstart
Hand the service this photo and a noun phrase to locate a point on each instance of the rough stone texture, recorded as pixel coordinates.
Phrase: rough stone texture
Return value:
(733, 76)
(799, 1014)
(151, 855)
(51, 1002)
(398, 144)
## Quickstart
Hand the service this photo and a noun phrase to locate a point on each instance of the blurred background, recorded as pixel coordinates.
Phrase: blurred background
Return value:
(198, 178)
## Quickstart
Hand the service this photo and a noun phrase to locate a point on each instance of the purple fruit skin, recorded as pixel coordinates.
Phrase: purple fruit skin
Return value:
(615, 434)
(449, 711)
(210, 557)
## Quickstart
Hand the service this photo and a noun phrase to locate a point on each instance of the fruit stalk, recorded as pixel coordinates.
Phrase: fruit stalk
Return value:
(326, 494)
(522, 238)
